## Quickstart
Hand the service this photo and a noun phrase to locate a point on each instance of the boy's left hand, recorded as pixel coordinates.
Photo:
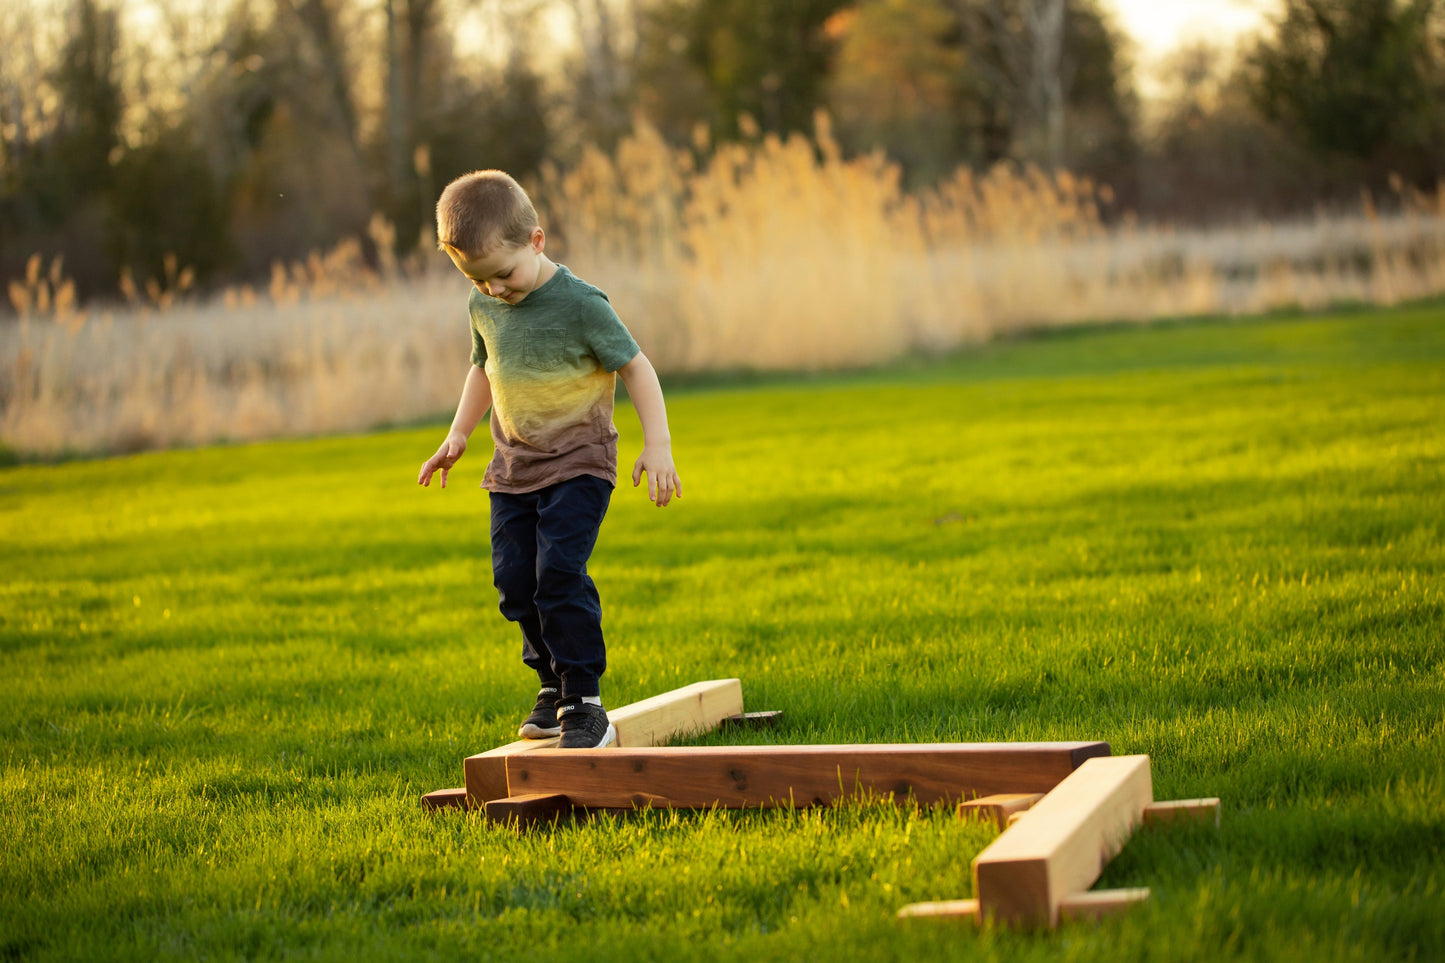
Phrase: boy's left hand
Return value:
(662, 480)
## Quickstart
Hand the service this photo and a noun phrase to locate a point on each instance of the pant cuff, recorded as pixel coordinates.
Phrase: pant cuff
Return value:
(580, 688)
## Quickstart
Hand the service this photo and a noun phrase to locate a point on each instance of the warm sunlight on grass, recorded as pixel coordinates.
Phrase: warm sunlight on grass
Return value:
(232, 672)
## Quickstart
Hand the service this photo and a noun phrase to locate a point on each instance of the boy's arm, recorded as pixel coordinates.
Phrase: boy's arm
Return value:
(476, 399)
(656, 459)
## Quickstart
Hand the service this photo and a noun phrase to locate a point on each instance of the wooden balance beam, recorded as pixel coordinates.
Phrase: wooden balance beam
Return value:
(1040, 869)
(742, 777)
(695, 708)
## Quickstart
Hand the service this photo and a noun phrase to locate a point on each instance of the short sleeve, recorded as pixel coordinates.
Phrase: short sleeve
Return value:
(479, 345)
(604, 333)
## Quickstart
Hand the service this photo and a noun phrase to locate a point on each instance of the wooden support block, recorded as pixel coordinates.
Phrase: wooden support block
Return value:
(1064, 842)
(530, 810)
(947, 909)
(1183, 811)
(1098, 904)
(442, 799)
(1000, 808)
(739, 777)
(753, 720)
(693, 708)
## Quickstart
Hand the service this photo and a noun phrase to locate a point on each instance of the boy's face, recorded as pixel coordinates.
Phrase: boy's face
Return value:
(509, 273)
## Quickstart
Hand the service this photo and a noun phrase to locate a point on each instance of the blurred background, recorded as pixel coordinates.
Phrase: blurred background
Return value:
(215, 215)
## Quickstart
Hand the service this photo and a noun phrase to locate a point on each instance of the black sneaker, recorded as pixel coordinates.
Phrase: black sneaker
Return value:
(542, 723)
(584, 726)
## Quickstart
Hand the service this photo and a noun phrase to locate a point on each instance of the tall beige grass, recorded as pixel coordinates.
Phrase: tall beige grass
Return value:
(785, 254)
(774, 254)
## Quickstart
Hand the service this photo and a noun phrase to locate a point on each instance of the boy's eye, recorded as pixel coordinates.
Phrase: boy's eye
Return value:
(503, 277)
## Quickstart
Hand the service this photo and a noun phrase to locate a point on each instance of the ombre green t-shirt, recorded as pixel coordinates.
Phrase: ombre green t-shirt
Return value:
(551, 360)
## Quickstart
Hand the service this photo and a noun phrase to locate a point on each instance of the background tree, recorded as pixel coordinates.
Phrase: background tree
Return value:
(765, 60)
(59, 163)
(1209, 154)
(1049, 84)
(899, 84)
(1362, 80)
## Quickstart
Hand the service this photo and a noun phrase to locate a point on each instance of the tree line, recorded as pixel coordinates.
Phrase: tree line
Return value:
(236, 134)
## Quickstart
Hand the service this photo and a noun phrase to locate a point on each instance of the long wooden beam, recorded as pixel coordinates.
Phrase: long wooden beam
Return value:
(739, 777)
(1059, 847)
(693, 708)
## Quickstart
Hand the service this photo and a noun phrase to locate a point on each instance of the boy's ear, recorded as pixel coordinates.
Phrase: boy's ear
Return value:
(539, 239)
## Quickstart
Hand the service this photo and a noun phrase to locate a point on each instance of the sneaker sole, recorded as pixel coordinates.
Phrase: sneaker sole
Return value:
(537, 732)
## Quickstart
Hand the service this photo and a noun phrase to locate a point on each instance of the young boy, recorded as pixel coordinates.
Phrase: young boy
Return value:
(546, 347)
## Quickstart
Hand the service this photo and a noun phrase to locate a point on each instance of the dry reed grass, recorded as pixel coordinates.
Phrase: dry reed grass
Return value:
(784, 254)
(331, 345)
(774, 254)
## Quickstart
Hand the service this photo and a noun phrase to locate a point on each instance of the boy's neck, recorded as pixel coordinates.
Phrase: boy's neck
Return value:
(545, 270)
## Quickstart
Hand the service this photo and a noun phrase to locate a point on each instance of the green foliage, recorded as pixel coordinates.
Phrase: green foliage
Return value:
(56, 188)
(1212, 143)
(499, 121)
(147, 223)
(87, 83)
(900, 71)
(1361, 78)
(231, 672)
(937, 83)
(765, 60)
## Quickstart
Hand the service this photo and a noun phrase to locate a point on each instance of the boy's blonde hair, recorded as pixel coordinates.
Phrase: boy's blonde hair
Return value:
(481, 208)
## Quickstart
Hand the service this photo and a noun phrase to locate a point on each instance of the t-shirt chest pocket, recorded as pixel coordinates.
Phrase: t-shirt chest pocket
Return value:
(545, 349)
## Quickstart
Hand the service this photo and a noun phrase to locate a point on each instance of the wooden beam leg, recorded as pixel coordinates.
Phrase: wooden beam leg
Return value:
(1183, 811)
(948, 909)
(445, 799)
(1061, 845)
(753, 720)
(526, 811)
(999, 808)
(1098, 904)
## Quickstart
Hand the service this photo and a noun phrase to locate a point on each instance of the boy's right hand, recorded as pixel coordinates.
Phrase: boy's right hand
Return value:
(447, 455)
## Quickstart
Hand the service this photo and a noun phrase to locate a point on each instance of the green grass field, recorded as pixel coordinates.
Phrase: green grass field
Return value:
(230, 673)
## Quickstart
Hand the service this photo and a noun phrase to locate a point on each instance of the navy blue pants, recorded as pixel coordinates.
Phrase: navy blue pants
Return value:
(540, 545)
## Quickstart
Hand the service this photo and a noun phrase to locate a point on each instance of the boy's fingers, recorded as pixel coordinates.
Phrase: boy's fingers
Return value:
(651, 487)
(637, 473)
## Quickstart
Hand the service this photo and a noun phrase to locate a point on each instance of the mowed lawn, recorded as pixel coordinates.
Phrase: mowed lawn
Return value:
(229, 674)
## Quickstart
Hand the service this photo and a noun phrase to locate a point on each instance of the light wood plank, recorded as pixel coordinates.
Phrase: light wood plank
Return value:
(946, 909)
(700, 707)
(1000, 808)
(737, 777)
(1061, 845)
(693, 708)
(1098, 904)
(1183, 811)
